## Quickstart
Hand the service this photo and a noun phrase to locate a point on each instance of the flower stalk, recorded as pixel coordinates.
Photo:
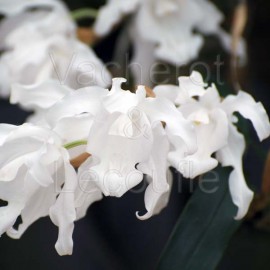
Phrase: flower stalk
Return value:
(83, 13)
(74, 144)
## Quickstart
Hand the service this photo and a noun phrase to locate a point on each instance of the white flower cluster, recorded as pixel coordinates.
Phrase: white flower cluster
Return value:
(122, 136)
(83, 143)
(38, 41)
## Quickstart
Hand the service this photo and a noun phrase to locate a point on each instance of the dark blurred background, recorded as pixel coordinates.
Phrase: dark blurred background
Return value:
(111, 237)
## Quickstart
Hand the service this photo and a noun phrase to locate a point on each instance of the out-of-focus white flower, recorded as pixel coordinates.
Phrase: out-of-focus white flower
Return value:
(165, 28)
(213, 120)
(14, 7)
(42, 44)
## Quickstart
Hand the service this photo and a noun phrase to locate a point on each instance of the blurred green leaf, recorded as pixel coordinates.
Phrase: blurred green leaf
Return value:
(204, 228)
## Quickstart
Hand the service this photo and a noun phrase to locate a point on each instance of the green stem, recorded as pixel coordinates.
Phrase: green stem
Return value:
(75, 144)
(83, 13)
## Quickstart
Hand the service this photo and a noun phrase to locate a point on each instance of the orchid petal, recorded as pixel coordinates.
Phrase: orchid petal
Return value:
(11, 192)
(40, 95)
(63, 213)
(180, 131)
(116, 173)
(15, 153)
(167, 91)
(119, 100)
(248, 108)
(210, 138)
(4, 79)
(157, 193)
(38, 164)
(143, 60)
(210, 22)
(85, 100)
(192, 85)
(74, 128)
(5, 130)
(112, 13)
(87, 191)
(211, 98)
(39, 201)
(231, 155)
(86, 69)
(9, 215)
(189, 86)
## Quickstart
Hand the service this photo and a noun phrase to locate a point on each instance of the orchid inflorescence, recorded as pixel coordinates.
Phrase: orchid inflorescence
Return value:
(125, 136)
(84, 141)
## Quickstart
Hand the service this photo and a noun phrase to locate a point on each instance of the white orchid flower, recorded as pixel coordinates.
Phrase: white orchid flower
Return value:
(164, 30)
(216, 133)
(123, 141)
(37, 180)
(50, 49)
(231, 154)
(33, 167)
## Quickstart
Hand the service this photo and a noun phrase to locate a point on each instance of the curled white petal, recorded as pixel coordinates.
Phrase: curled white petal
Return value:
(87, 191)
(231, 155)
(63, 213)
(250, 109)
(157, 193)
